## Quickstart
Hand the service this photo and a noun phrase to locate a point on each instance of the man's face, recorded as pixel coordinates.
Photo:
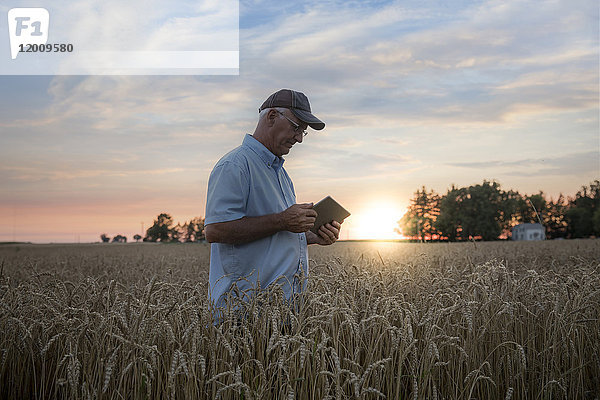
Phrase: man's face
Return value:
(284, 136)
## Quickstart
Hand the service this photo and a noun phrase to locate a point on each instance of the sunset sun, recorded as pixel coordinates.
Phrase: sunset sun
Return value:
(377, 221)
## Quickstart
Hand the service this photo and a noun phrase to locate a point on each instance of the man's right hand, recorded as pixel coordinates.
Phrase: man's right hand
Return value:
(299, 218)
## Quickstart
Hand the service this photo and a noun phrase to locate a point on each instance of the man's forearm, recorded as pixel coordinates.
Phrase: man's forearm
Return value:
(244, 230)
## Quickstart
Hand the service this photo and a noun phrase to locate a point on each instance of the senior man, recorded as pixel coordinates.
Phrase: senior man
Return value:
(256, 230)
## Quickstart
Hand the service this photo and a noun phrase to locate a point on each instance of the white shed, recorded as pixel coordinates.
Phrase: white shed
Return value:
(528, 232)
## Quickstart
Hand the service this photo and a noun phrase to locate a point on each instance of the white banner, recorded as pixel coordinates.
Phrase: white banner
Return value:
(112, 37)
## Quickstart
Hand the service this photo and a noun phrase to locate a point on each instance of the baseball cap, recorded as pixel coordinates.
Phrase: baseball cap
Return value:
(298, 104)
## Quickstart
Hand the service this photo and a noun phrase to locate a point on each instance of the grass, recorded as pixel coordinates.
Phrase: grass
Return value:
(377, 320)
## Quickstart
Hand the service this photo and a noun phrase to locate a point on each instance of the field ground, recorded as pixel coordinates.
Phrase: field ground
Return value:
(495, 320)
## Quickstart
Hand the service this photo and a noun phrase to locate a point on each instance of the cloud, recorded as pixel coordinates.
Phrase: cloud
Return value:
(40, 174)
(392, 141)
(329, 164)
(569, 164)
(147, 24)
(403, 65)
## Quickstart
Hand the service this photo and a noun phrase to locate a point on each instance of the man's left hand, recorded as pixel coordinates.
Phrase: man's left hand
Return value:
(328, 234)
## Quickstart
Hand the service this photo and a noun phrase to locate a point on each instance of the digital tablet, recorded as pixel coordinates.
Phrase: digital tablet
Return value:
(328, 210)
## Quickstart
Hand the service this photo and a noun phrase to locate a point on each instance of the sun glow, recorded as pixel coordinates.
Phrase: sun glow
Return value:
(377, 221)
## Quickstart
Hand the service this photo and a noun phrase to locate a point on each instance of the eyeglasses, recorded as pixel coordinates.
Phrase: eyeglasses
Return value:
(295, 125)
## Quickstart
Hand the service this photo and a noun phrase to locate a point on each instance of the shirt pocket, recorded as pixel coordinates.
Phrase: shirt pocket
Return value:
(265, 199)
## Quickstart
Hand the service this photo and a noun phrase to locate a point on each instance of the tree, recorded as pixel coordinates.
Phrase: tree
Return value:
(119, 239)
(105, 238)
(596, 222)
(421, 214)
(512, 210)
(555, 218)
(524, 208)
(581, 211)
(579, 221)
(162, 230)
(480, 211)
(476, 211)
(488, 212)
(177, 232)
(137, 237)
(193, 231)
(448, 220)
(537, 204)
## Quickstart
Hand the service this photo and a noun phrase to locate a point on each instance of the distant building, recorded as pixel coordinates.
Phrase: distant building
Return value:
(528, 232)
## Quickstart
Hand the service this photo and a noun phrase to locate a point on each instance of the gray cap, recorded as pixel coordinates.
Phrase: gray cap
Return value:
(298, 104)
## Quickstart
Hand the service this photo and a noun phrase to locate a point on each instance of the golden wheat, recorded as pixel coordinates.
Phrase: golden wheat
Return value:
(437, 321)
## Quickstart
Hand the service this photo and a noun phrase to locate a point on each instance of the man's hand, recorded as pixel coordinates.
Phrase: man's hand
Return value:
(299, 218)
(328, 234)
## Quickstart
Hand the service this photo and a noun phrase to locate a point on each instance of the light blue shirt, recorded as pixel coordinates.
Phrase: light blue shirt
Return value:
(250, 181)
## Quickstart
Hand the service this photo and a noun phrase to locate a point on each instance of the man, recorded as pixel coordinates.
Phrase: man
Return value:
(256, 229)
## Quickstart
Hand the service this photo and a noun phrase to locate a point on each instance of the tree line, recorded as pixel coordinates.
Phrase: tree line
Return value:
(487, 212)
(477, 212)
(164, 230)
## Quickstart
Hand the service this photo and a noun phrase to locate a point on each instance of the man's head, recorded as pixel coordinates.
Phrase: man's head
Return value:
(283, 120)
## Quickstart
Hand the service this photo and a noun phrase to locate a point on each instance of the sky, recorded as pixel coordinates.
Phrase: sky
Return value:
(413, 93)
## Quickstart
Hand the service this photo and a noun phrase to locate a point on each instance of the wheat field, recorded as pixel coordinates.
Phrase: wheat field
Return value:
(498, 320)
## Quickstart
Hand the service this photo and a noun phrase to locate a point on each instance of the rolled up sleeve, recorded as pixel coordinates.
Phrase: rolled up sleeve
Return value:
(227, 195)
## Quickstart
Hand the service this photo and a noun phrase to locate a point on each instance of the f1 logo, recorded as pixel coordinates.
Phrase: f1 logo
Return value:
(27, 26)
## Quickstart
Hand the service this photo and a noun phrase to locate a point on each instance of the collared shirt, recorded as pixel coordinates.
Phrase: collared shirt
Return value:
(250, 181)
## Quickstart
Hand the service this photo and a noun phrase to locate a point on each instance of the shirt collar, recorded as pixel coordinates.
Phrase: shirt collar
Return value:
(270, 159)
